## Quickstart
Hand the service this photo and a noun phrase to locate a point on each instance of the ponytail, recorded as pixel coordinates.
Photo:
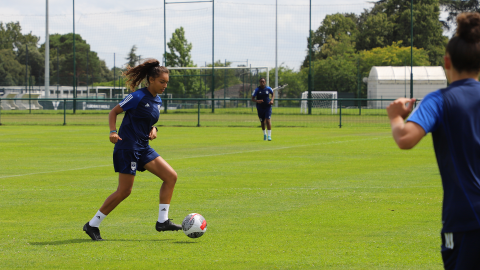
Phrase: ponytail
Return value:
(150, 68)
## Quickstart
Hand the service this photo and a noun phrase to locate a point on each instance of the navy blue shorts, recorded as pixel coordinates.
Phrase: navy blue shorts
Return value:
(130, 161)
(461, 250)
(264, 113)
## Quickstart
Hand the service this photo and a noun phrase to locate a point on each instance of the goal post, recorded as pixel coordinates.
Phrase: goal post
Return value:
(320, 99)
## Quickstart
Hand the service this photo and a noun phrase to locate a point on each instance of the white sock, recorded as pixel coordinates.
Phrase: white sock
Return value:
(269, 132)
(163, 212)
(97, 219)
(264, 132)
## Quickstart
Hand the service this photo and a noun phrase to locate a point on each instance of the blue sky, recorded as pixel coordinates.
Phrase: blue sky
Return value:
(244, 29)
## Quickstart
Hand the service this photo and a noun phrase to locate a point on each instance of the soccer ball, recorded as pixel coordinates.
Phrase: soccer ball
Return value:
(194, 225)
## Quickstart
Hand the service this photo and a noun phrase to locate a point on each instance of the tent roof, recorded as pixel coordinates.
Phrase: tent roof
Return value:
(402, 73)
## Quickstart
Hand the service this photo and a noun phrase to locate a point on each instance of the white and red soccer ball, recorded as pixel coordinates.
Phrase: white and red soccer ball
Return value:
(194, 225)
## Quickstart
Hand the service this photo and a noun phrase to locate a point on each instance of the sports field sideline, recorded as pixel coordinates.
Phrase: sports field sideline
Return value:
(313, 198)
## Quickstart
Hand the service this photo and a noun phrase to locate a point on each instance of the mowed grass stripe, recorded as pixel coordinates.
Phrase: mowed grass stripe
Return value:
(209, 155)
(302, 201)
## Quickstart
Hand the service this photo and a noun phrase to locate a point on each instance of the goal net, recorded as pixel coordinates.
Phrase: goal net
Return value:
(321, 99)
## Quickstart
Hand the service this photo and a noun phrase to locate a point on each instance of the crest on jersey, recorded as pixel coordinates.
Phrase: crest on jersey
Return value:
(134, 166)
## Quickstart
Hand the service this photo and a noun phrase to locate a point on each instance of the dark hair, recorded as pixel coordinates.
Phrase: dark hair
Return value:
(150, 68)
(262, 79)
(464, 47)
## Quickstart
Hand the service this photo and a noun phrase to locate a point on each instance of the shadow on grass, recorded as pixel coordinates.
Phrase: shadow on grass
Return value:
(79, 241)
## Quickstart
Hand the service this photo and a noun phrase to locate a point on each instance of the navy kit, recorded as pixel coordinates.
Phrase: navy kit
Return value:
(264, 109)
(142, 111)
(453, 116)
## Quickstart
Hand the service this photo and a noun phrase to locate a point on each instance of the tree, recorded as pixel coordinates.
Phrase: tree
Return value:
(13, 55)
(455, 7)
(333, 27)
(180, 49)
(11, 71)
(11, 37)
(184, 83)
(375, 30)
(63, 46)
(36, 63)
(427, 28)
(132, 57)
(393, 55)
(388, 21)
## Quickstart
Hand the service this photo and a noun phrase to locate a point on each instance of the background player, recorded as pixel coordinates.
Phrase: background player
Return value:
(261, 96)
(132, 152)
(452, 115)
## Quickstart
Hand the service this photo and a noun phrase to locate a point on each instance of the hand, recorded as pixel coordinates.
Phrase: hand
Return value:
(260, 101)
(114, 137)
(153, 134)
(271, 102)
(399, 108)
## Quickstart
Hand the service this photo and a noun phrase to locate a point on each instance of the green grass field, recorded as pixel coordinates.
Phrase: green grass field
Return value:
(313, 198)
(228, 117)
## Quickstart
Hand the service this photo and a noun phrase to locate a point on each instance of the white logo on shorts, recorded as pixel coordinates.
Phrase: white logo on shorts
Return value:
(134, 166)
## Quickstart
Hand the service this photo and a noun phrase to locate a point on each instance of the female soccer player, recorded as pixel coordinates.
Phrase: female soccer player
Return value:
(261, 96)
(452, 115)
(132, 152)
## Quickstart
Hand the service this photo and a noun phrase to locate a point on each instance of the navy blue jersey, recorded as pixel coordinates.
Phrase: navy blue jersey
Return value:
(141, 113)
(263, 94)
(453, 116)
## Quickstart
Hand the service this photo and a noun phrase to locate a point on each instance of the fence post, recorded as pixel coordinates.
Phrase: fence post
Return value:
(198, 123)
(340, 105)
(0, 112)
(64, 112)
(359, 107)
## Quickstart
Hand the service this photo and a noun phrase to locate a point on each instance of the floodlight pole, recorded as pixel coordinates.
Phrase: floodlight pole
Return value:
(411, 48)
(310, 61)
(47, 54)
(114, 69)
(58, 71)
(26, 68)
(213, 56)
(74, 68)
(165, 46)
(276, 49)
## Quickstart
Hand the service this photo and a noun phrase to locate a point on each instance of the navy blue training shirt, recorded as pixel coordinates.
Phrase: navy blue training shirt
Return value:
(263, 94)
(141, 113)
(453, 116)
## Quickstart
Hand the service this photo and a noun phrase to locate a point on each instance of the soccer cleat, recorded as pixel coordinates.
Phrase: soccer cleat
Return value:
(269, 138)
(168, 225)
(93, 232)
(264, 137)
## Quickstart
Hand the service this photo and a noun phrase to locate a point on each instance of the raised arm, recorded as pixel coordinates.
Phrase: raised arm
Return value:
(406, 135)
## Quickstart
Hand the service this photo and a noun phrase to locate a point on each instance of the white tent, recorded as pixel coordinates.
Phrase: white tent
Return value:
(389, 82)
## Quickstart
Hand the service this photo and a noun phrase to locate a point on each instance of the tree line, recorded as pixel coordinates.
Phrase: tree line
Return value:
(344, 47)
(21, 59)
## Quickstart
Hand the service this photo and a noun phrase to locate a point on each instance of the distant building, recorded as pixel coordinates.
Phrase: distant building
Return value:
(389, 83)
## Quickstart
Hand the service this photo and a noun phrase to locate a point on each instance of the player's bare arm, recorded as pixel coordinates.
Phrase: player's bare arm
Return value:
(273, 98)
(406, 135)
(112, 122)
(153, 133)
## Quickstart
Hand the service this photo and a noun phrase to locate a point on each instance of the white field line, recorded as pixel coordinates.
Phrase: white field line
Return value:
(212, 155)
